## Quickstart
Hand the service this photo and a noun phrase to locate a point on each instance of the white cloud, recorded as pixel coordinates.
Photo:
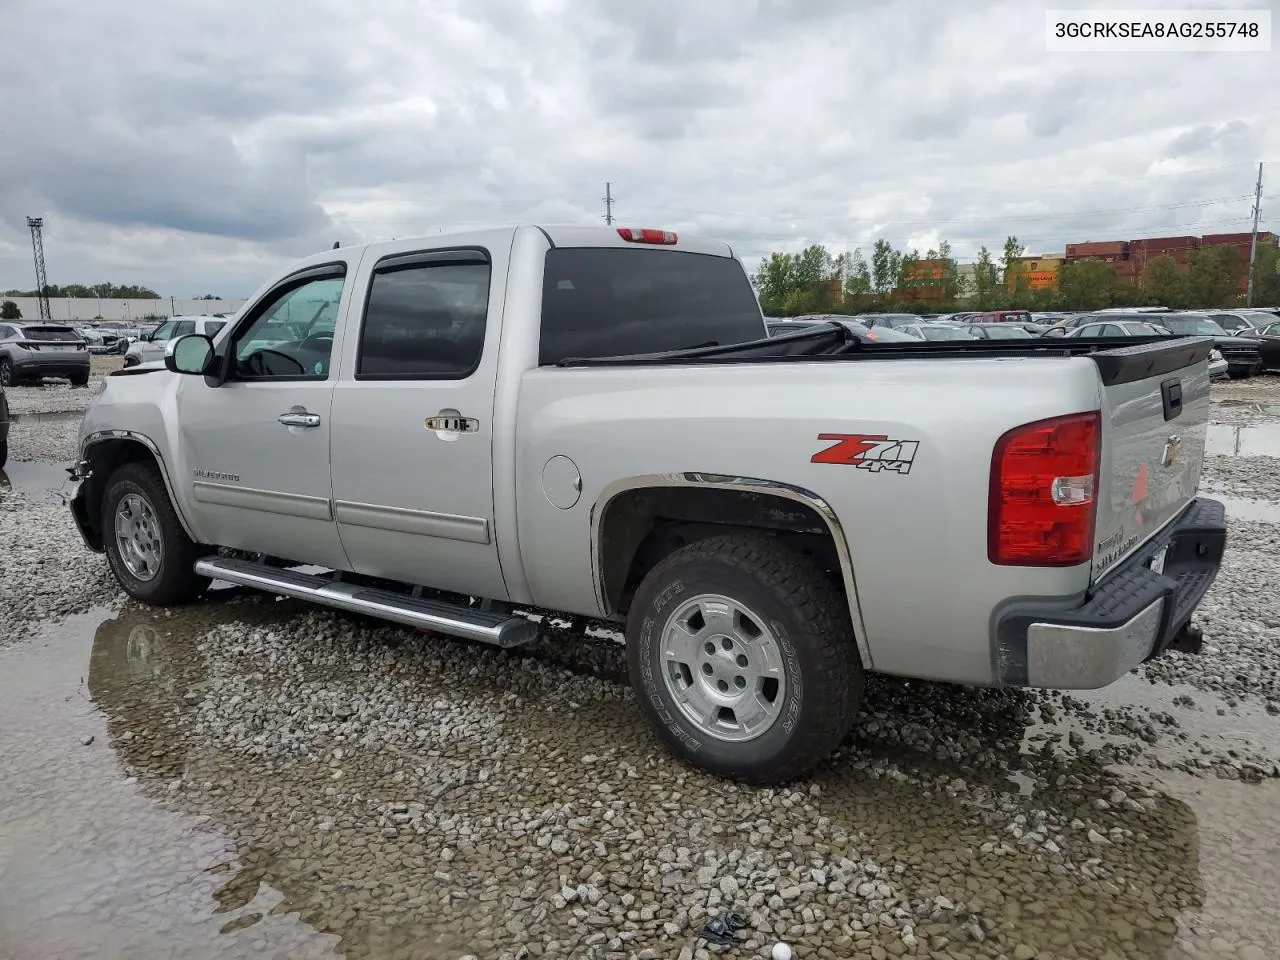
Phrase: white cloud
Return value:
(196, 146)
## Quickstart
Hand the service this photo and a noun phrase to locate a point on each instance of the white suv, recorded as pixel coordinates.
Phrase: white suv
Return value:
(151, 346)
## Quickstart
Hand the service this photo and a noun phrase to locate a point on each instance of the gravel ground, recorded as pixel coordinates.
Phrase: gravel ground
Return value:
(251, 777)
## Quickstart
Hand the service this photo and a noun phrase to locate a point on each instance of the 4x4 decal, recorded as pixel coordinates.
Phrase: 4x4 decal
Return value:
(874, 452)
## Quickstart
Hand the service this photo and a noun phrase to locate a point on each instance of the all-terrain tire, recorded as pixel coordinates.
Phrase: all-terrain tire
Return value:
(808, 618)
(175, 580)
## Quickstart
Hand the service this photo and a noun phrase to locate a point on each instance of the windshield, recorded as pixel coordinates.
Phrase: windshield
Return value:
(944, 333)
(1194, 327)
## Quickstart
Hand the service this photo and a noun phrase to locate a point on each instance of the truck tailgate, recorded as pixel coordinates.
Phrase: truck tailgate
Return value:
(1155, 408)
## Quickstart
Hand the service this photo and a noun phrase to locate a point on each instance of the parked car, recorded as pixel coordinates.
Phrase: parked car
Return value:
(1239, 321)
(5, 420)
(935, 331)
(997, 331)
(1118, 328)
(149, 347)
(33, 351)
(1002, 316)
(1268, 338)
(593, 421)
(94, 340)
(891, 320)
(860, 330)
(1243, 354)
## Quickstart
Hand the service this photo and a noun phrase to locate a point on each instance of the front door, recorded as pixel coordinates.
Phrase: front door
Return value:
(256, 447)
(412, 437)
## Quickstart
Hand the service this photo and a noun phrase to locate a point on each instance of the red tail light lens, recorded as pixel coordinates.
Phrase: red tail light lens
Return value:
(637, 235)
(1044, 489)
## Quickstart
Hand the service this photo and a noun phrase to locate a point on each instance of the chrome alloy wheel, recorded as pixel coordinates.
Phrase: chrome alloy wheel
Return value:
(723, 668)
(138, 537)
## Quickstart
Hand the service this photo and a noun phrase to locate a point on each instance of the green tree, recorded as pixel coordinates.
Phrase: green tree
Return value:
(9, 311)
(1213, 277)
(884, 266)
(1266, 275)
(986, 281)
(857, 278)
(773, 281)
(1009, 261)
(1087, 284)
(1164, 283)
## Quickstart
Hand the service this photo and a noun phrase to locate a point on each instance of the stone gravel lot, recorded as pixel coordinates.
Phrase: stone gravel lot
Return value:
(255, 778)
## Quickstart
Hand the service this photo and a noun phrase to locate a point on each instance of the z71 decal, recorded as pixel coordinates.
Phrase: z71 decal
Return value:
(868, 452)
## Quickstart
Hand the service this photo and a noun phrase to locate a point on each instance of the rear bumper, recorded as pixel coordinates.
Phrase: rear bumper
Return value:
(1134, 615)
(65, 365)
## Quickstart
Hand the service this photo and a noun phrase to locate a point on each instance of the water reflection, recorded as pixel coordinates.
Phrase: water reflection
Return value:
(891, 799)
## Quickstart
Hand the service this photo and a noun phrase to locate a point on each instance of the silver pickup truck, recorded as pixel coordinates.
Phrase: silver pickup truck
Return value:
(456, 431)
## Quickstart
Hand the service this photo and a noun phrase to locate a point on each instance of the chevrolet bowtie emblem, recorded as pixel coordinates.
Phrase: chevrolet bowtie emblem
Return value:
(1171, 450)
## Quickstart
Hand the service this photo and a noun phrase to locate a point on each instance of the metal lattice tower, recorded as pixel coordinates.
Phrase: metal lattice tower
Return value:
(37, 251)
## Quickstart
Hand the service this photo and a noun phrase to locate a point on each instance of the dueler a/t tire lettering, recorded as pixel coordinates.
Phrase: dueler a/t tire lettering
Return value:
(176, 582)
(807, 616)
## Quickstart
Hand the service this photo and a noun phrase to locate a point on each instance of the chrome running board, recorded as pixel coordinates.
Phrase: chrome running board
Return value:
(502, 630)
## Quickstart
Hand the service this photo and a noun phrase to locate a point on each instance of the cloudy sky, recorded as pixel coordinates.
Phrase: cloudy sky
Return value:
(197, 146)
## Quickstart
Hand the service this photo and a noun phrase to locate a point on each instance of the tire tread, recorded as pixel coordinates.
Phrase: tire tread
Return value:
(802, 584)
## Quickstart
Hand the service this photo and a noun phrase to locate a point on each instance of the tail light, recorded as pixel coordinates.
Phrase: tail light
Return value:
(637, 235)
(1044, 488)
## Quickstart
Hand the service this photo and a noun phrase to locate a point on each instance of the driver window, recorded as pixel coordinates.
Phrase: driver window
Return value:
(293, 336)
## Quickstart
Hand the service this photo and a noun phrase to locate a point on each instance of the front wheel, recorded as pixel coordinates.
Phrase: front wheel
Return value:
(6, 372)
(150, 554)
(742, 655)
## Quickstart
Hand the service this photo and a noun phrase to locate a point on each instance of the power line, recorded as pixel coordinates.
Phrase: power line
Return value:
(674, 213)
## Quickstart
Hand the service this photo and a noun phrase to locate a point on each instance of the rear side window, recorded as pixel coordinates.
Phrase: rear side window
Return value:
(425, 320)
(50, 334)
(607, 302)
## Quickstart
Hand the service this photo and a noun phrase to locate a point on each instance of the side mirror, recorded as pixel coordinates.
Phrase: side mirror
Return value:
(191, 354)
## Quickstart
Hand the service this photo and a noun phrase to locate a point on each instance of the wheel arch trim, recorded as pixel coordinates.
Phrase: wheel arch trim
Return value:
(709, 481)
(99, 437)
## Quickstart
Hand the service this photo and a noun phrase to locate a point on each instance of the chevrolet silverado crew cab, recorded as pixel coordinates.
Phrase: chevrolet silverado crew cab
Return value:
(456, 431)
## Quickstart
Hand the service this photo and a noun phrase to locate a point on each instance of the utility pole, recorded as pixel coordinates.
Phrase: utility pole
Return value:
(37, 252)
(608, 203)
(1253, 240)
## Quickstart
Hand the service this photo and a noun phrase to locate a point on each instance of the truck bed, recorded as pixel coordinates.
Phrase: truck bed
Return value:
(1118, 360)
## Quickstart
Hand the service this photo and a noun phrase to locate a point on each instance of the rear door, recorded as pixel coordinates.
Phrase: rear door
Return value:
(413, 419)
(1155, 409)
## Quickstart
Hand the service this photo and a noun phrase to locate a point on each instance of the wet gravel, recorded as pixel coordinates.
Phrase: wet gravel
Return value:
(294, 782)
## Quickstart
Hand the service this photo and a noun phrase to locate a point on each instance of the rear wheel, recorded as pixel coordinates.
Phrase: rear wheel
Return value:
(4, 453)
(80, 380)
(150, 554)
(741, 653)
(6, 372)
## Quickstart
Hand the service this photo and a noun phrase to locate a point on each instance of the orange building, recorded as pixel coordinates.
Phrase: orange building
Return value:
(1037, 273)
(924, 280)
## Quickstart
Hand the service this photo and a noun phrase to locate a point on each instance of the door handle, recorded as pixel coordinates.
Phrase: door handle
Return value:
(451, 423)
(295, 419)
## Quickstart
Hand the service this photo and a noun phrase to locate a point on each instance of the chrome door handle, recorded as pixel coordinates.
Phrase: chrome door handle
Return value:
(446, 423)
(299, 419)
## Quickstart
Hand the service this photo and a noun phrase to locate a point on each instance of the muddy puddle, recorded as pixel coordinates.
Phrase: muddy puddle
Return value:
(1242, 440)
(33, 476)
(347, 792)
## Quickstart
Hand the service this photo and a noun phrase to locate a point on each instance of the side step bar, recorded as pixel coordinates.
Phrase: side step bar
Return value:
(465, 622)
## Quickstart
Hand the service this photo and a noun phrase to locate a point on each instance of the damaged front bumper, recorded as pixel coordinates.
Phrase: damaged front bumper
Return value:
(80, 472)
